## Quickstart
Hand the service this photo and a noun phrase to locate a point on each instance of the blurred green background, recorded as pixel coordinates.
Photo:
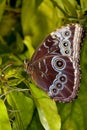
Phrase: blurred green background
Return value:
(23, 26)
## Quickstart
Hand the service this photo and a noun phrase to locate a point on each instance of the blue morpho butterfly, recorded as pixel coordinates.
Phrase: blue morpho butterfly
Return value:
(55, 64)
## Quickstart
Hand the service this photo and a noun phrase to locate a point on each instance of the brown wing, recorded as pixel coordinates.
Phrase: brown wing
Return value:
(54, 66)
(53, 42)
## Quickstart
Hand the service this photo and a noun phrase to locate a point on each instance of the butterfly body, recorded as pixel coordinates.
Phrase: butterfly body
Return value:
(55, 64)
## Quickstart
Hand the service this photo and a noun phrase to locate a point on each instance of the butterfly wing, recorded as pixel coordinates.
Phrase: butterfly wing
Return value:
(54, 66)
(58, 41)
(56, 75)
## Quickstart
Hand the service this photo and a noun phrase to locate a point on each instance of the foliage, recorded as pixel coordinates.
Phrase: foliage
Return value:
(23, 25)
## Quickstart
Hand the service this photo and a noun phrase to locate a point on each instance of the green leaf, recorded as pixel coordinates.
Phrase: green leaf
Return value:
(46, 108)
(0, 60)
(38, 22)
(18, 3)
(83, 87)
(6, 24)
(19, 42)
(4, 119)
(24, 109)
(38, 2)
(14, 82)
(4, 49)
(0, 91)
(73, 3)
(10, 59)
(11, 74)
(59, 5)
(28, 9)
(83, 5)
(69, 8)
(71, 116)
(27, 42)
(2, 6)
(35, 123)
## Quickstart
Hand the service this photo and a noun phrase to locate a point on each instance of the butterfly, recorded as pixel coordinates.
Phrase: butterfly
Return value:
(54, 66)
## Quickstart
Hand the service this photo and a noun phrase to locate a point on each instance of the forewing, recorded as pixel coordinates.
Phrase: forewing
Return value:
(52, 44)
